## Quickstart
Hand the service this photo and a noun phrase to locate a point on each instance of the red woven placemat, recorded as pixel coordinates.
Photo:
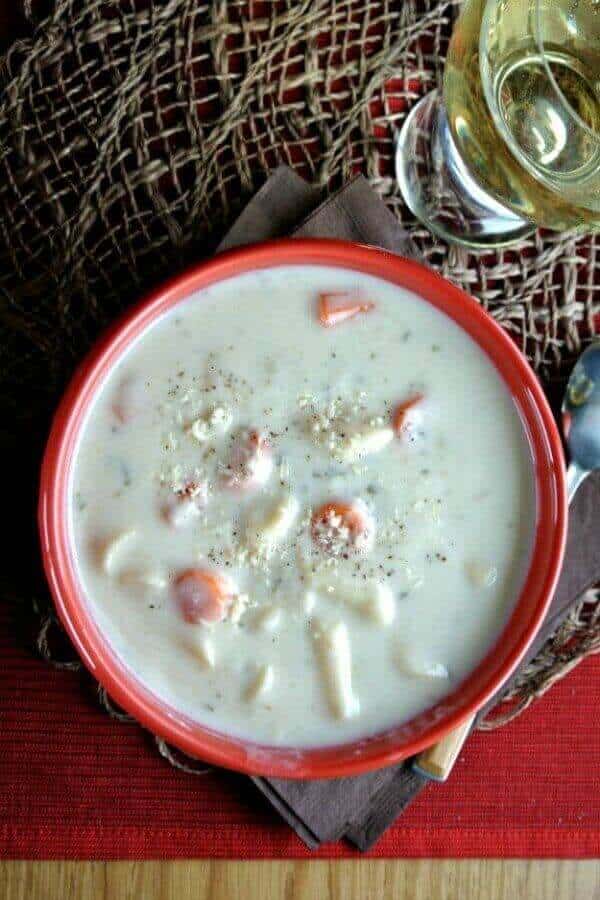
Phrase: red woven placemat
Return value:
(75, 784)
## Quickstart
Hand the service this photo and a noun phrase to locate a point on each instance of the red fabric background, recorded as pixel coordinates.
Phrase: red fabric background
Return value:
(76, 784)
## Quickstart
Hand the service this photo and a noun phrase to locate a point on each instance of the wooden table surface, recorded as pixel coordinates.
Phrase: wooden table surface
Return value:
(318, 880)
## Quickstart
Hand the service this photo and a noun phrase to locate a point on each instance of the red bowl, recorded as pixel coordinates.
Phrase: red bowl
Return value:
(407, 738)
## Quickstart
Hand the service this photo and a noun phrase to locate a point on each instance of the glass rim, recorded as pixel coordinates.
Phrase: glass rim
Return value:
(595, 135)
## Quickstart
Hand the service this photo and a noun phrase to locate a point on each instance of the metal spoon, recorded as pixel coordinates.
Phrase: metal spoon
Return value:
(581, 427)
(581, 418)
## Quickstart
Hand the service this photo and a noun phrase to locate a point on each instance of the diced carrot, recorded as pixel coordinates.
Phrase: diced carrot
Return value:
(203, 596)
(336, 308)
(400, 417)
(338, 525)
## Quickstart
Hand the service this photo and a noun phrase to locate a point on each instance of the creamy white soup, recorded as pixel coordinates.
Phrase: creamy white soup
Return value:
(302, 506)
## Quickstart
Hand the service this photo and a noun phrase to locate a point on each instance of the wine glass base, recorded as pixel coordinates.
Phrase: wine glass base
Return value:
(439, 190)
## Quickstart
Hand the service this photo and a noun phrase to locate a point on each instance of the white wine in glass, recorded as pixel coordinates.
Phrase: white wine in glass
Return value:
(515, 140)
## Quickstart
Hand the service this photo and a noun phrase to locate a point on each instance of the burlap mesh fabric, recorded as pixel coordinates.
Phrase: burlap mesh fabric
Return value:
(132, 132)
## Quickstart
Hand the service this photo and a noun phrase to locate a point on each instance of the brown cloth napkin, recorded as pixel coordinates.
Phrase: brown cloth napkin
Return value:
(362, 807)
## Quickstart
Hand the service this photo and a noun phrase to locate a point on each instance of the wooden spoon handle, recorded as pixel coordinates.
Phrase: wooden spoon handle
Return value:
(437, 761)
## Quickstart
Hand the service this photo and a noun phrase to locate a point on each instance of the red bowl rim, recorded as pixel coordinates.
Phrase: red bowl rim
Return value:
(408, 738)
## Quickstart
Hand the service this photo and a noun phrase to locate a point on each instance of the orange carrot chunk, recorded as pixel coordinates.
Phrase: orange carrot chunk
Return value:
(338, 526)
(401, 413)
(203, 596)
(336, 308)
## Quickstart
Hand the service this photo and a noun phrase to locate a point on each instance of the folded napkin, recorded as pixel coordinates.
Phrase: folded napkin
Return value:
(360, 808)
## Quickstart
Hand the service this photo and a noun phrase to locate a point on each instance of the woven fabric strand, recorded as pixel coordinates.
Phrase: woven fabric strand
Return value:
(132, 132)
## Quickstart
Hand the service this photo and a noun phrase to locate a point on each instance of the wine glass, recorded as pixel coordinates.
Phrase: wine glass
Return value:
(514, 141)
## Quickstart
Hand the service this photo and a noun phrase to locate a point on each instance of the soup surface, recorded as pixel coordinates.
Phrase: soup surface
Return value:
(302, 506)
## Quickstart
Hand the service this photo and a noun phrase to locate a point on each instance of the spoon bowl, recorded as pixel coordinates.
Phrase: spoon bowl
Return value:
(581, 417)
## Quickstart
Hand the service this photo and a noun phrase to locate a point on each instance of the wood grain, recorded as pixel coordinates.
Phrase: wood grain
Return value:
(335, 880)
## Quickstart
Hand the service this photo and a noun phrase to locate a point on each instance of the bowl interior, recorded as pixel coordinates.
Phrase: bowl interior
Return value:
(411, 736)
